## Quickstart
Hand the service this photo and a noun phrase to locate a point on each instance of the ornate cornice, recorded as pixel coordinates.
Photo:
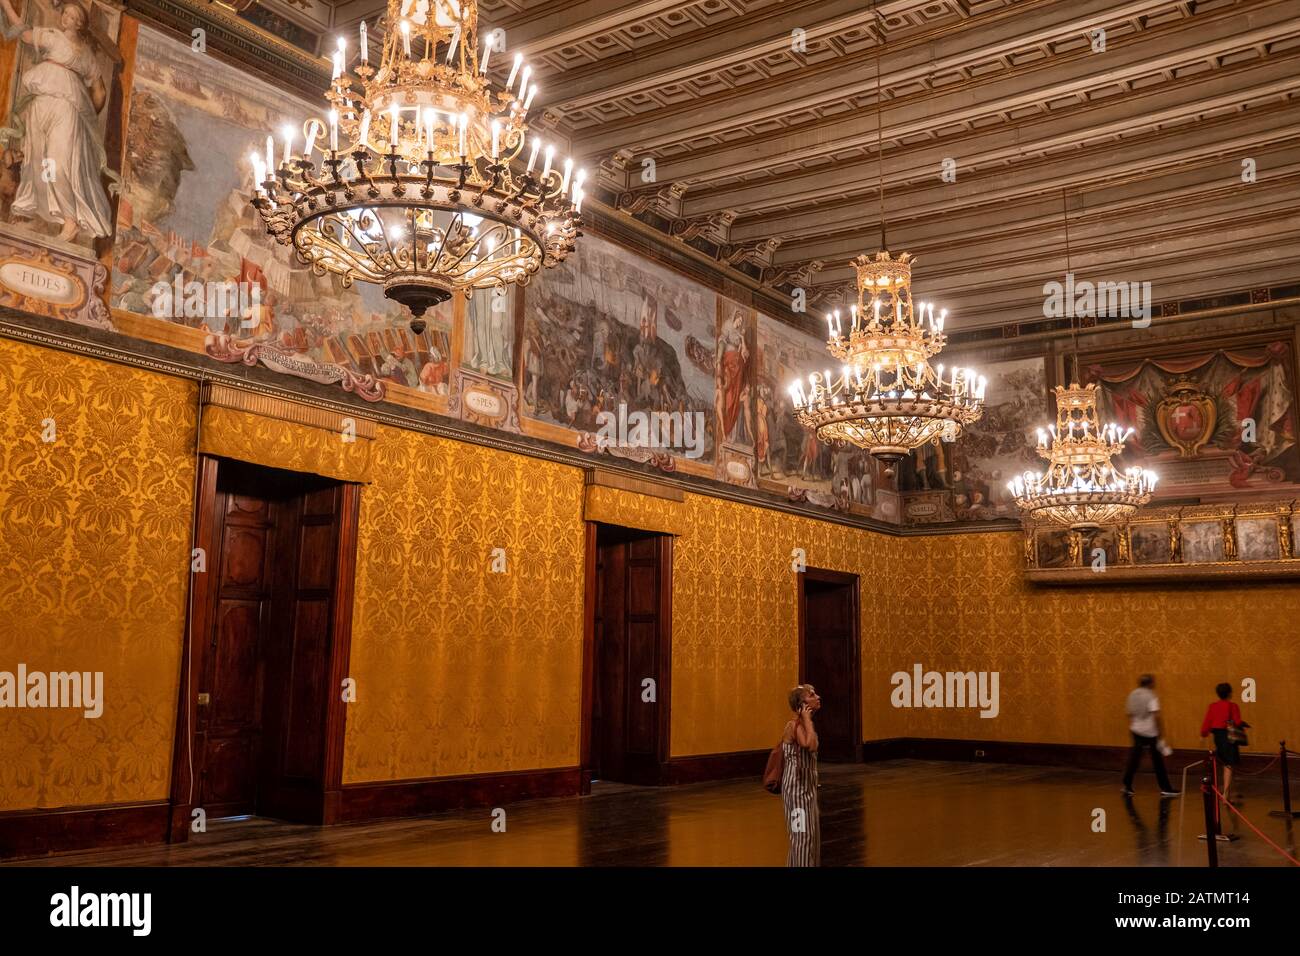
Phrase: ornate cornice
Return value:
(236, 40)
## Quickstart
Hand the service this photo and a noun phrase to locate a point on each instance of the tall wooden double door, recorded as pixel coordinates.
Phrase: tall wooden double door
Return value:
(267, 663)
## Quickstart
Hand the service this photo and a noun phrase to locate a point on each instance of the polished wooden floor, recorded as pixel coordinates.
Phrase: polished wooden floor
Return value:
(893, 813)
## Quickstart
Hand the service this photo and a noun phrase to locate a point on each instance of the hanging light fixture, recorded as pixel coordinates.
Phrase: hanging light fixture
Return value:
(1081, 489)
(423, 179)
(887, 398)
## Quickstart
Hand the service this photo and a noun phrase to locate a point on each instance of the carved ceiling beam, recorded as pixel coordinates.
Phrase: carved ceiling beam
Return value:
(794, 275)
(730, 42)
(756, 254)
(559, 23)
(1024, 226)
(715, 228)
(665, 201)
(823, 85)
(1170, 102)
(1235, 135)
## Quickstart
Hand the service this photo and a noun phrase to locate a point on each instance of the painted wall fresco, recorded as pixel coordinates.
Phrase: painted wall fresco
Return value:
(1002, 443)
(604, 329)
(1213, 421)
(789, 458)
(967, 480)
(184, 217)
(63, 73)
(159, 182)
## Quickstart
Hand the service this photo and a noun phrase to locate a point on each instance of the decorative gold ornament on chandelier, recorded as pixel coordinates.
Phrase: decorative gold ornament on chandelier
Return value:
(417, 180)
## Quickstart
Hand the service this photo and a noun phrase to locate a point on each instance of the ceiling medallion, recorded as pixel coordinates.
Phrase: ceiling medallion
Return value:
(423, 179)
(888, 398)
(1082, 489)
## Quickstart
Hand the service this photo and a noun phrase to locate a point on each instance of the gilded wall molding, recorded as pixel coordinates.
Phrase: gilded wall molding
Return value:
(295, 412)
(1250, 540)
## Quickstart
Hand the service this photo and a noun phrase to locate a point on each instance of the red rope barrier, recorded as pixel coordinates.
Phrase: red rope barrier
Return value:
(1256, 773)
(1252, 826)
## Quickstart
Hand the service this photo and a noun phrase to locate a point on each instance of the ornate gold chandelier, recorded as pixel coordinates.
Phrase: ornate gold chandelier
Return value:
(1081, 489)
(427, 182)
(887, 398)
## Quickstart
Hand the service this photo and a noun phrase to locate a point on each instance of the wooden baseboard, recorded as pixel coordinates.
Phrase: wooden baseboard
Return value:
(409, 798)
(693, 769)
(1081, 756)
(27, 833)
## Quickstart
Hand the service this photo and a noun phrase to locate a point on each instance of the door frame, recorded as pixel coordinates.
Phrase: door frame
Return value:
(664, 688)
(202, 594)
(827, 576)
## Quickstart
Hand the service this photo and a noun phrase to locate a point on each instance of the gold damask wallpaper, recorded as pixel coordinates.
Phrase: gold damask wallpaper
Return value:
(461, 669)
(94, 560)
(280, 444)
(1067, 657)
(464, 666)
(631, 510)
(735, 608)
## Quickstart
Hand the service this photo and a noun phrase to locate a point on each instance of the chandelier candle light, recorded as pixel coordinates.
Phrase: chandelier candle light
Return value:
(1081, 489)
(415, 181)
(887, 397)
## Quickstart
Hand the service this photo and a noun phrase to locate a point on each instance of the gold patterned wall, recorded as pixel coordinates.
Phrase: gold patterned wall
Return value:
(94, 561)
(1068, 656)
(459, 669)
(735, 617)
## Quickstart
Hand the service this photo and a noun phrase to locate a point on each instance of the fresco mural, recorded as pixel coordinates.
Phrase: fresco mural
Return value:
(736, 361)
(604, 331)
(61, 87)
(606, 336)
(488, 347)
(1216, 421)
(1002, 443)
(184, 218)
(788, 457)
(64, 68)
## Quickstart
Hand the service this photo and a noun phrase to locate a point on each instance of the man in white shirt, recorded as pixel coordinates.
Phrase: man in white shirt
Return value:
(1143, 709)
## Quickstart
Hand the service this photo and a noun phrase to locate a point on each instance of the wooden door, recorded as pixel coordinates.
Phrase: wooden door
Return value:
(268, 726)
(630, 702)
(298, 651)
(228, 732)
(829, 656)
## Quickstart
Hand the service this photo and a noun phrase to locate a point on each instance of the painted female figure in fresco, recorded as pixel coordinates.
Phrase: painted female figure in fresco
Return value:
(58, 102)
(733, 365)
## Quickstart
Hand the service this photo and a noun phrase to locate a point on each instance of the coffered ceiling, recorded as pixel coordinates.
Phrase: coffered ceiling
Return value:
(767, 154)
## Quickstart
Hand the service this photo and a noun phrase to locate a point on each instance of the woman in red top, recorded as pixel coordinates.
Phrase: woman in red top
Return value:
(1217, 716)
